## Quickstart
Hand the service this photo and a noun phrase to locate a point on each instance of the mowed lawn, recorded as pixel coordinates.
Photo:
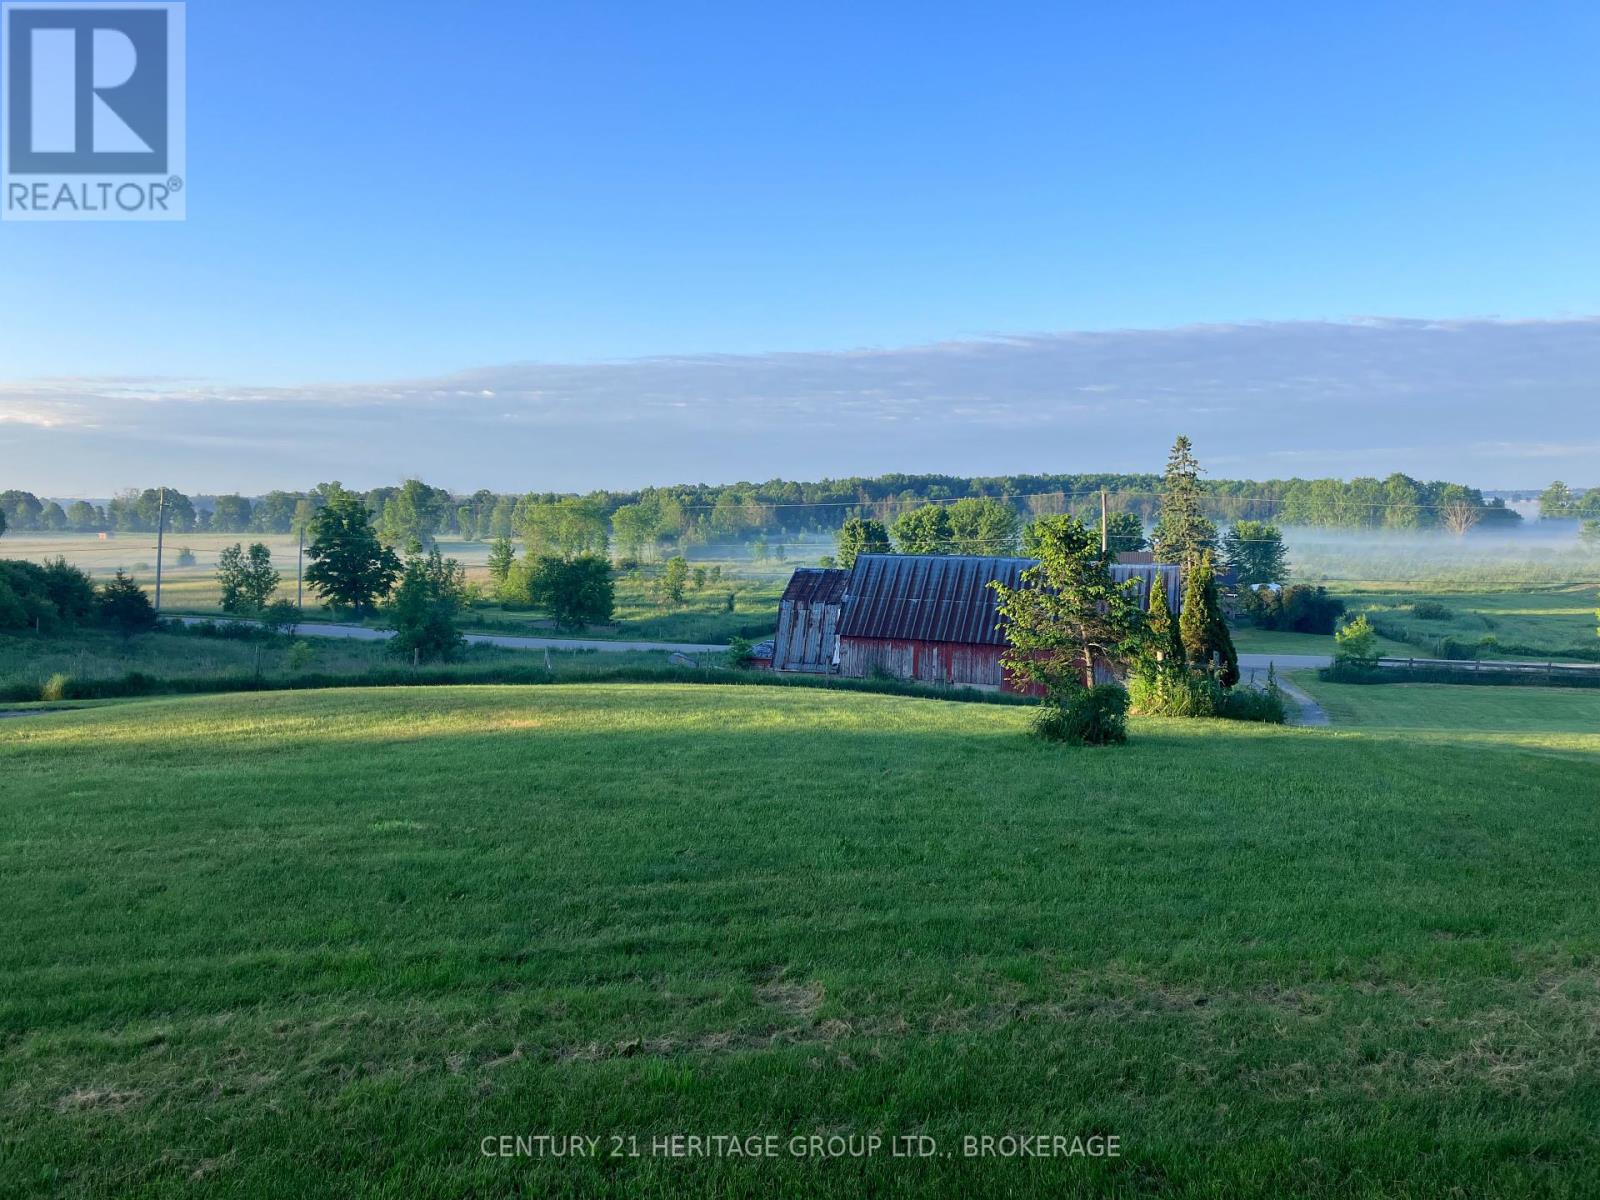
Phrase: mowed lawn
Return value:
(326, 943)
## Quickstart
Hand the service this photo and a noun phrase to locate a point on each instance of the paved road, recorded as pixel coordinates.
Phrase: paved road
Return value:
(363, 633)
(1284, 662)
(1247, 662)
(1311, 713)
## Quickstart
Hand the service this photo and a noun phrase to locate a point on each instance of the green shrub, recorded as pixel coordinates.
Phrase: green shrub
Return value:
(1254, 704)
(279, 617)
(1174, 694)
(1431, 610)
(1356, 643)
(300, 655)
(57, 687)
(739, 652)
(44, 597)
(1297, 609)
(1353, 672)
(1094, 716)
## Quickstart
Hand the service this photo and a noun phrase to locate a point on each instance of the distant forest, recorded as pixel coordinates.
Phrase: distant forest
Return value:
(704, 514)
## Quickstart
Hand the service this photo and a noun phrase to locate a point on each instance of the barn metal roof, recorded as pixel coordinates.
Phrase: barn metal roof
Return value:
(816, 585)
(947, 598)
(927, 597)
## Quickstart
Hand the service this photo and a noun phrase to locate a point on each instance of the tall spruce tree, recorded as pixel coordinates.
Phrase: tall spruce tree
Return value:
(1206, 641)
(1182, 531)
(1165, 644)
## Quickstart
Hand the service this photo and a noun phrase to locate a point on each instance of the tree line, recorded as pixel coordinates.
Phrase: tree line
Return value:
(638, 523)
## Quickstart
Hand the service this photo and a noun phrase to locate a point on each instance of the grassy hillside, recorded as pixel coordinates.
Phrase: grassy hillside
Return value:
(301, 943)
(28, 660)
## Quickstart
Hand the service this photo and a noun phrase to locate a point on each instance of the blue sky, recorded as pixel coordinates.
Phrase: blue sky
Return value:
(381, 194)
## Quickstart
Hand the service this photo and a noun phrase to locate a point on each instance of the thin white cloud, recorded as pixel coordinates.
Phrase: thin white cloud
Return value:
(1504, 403)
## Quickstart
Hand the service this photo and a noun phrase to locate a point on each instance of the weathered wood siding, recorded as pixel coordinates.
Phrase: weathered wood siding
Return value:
(806, 635)
(953, 663)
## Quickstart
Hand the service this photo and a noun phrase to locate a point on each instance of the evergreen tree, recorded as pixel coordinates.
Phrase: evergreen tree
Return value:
(1068, 613)
(1164, 642)
(1206, 640)
(350, 567)
(1182, 531)
(125, 607)
(860, 535)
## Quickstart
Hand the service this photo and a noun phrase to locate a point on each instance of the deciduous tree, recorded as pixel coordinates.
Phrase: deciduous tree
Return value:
(860, 535)
(502, 556)
(424, 608)
(247, 578)
(575, 591)
(1255, 552)
(924, 530)
(673, 578)
(983, 527)
(350, 568)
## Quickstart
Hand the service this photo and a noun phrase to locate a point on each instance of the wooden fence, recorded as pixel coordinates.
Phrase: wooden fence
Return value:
(1548, 670)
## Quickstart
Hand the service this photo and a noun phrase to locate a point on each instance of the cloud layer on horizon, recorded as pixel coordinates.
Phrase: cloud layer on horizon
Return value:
(1494, 403)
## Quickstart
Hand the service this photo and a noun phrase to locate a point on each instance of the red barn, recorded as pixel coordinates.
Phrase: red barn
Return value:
(933, 618)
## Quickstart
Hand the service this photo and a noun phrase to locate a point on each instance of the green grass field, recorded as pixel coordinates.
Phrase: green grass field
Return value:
(1568, 717)
(325, 943)
(1249, 640)
(641, 613)
(1509, 624)
(1519, 624)
(29, 660)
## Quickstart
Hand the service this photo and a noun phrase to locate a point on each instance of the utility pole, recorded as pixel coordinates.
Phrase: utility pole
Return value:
(300, 572)
(161, 529)
(1105, 541)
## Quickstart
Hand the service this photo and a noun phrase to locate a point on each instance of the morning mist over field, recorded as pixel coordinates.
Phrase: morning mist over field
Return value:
(1497, 403)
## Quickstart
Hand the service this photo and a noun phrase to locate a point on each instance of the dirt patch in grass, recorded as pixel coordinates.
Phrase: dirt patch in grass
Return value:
(101, 1098)
(792, 998)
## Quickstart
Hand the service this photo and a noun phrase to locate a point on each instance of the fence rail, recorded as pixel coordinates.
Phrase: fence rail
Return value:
(1548, 669)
